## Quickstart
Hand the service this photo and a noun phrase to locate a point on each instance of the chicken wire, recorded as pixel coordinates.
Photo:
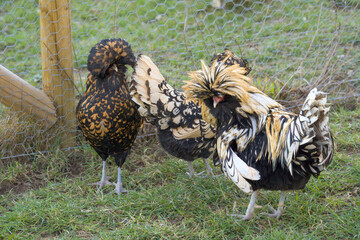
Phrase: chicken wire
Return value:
(291, 46)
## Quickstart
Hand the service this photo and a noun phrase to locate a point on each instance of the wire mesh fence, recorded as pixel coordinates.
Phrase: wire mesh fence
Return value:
(292, 46)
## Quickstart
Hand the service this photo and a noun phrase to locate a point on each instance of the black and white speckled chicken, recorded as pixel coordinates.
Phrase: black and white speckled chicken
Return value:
(180, 128)
(107, 116)
(260, 145)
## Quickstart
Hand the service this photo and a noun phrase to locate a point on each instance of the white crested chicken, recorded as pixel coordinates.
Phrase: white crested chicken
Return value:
(107, 117)
(260, 145)
(181, 130)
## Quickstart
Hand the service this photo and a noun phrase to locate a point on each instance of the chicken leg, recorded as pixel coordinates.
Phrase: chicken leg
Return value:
(277, 213)
(250, 209)
(104, 179)
(118, 186)
(192, 173)
(208, 168)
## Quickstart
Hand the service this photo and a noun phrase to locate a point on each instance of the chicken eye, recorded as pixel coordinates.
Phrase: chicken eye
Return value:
(218, 94)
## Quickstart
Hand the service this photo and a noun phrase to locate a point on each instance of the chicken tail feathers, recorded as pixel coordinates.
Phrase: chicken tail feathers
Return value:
(146, 88)
(315, 109)
(108, 52)
(160, 104)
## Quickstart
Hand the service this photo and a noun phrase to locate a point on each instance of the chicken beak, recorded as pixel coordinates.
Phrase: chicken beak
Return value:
(116, 68)
(216, 100)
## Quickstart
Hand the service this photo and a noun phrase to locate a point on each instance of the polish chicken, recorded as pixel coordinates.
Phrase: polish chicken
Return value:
(107, 117)
(181, 130)
(260, 145)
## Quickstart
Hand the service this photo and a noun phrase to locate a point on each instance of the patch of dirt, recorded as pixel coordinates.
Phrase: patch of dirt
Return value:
(75, 167)
(31, 180)
(22, 184)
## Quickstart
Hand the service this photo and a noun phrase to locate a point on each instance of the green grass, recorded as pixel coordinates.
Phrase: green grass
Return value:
(292, 46)
(49, 198)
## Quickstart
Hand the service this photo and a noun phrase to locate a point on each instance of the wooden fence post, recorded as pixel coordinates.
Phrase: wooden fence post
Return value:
(21, 96)
(57, 63)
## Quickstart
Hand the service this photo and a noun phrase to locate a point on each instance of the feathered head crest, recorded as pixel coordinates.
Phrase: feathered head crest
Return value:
(231, 80)
(231, 59)
(220, 77)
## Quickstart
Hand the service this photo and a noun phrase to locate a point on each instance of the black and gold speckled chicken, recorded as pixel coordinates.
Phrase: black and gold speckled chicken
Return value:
(107, 116)
(181, 130)
(260, 145)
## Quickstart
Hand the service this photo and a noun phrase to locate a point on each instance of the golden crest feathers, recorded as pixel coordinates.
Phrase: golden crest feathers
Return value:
(228, 80)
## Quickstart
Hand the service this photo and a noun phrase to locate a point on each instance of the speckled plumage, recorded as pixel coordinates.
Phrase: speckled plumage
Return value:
(107, 116)
(182, 132)
(261, 145)
(180, 128)
(230, 60)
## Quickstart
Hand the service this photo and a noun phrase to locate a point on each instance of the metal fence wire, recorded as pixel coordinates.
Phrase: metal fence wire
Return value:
(291, 45)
